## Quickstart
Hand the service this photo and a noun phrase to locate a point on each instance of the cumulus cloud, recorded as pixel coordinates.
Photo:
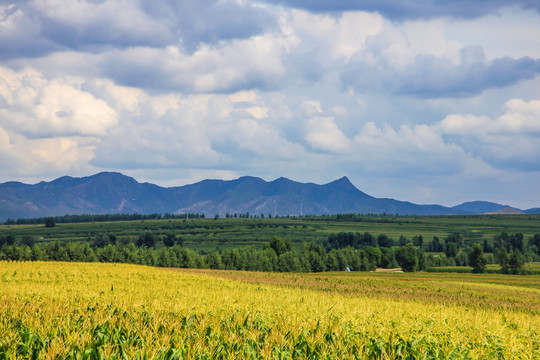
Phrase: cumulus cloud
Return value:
(38, 27)
(324, 135)
(156, 132)
(511, 140)
(24, 157)
(20, 35)
(367, 53)
(49, 126)
(229, 67)
(429, 76)
(421, 149)
(38, 107)
(502, 34)
(217, 131)
(508, 141)
(401, 10)
(212, 21)
(520, 118)
(168, 90)
(446, 148)
(343, 35)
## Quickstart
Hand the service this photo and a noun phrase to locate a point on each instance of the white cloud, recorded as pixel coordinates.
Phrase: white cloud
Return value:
(520, 118)
(418, 150)
(251, 140)
(243, 96)
(343, 36)
(465, 124)
(203, 131)
(231, 66)
(324, 135)
(23, 157)
(430, 37)
(49, 126)
(511, 140)
(120, 98)
(123, 16)
(311, 107)
(509, 32)
(40, 107)
(38, 27)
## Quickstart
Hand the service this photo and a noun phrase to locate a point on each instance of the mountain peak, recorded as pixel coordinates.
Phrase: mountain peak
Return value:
(111, 176)
(479, 207)
(343, 180)
(345, 185)
(249, 178)
(61, 180)
(342, 183)
(249, 182)
(282, 179)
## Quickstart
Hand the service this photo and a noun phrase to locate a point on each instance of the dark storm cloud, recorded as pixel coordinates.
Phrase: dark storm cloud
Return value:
(411, 9)
(434, 77)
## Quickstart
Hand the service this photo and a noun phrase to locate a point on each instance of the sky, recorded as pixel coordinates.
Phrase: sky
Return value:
(425, 101)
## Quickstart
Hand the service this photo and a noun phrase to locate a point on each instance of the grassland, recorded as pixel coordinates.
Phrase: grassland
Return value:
(93, 311)
(528, 267)
(209, 234)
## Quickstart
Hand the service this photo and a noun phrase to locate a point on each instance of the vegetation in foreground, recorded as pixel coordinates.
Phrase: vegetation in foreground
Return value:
(93, 311)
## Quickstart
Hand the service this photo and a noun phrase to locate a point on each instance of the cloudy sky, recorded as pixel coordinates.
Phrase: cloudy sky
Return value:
(426, 101)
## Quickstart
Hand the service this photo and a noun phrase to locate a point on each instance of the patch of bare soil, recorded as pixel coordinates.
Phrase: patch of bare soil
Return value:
(396, 270)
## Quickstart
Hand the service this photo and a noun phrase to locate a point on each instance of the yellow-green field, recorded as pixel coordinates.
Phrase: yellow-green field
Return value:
(93, 311)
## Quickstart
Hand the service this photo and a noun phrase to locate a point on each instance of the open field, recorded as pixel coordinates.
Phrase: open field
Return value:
(209, 234)
(529, 267)
(76, 310)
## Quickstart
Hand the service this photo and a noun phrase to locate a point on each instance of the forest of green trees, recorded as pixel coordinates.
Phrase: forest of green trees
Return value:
(344, 250)
(85, 218)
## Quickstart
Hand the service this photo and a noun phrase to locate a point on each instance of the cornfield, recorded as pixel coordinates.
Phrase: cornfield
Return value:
(118, 311)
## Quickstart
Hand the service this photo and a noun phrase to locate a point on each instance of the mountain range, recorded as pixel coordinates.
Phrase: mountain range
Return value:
(110, 193)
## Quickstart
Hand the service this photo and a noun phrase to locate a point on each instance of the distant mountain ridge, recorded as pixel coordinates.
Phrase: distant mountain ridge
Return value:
(111, 192)
(481, 207)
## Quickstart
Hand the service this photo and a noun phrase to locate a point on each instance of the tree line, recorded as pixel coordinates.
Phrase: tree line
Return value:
(86, 218)
(508, 250)
(277, 255)
(341, 251)
(168, 251)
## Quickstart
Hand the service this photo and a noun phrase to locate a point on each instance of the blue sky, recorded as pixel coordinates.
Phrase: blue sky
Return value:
(426, 101)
